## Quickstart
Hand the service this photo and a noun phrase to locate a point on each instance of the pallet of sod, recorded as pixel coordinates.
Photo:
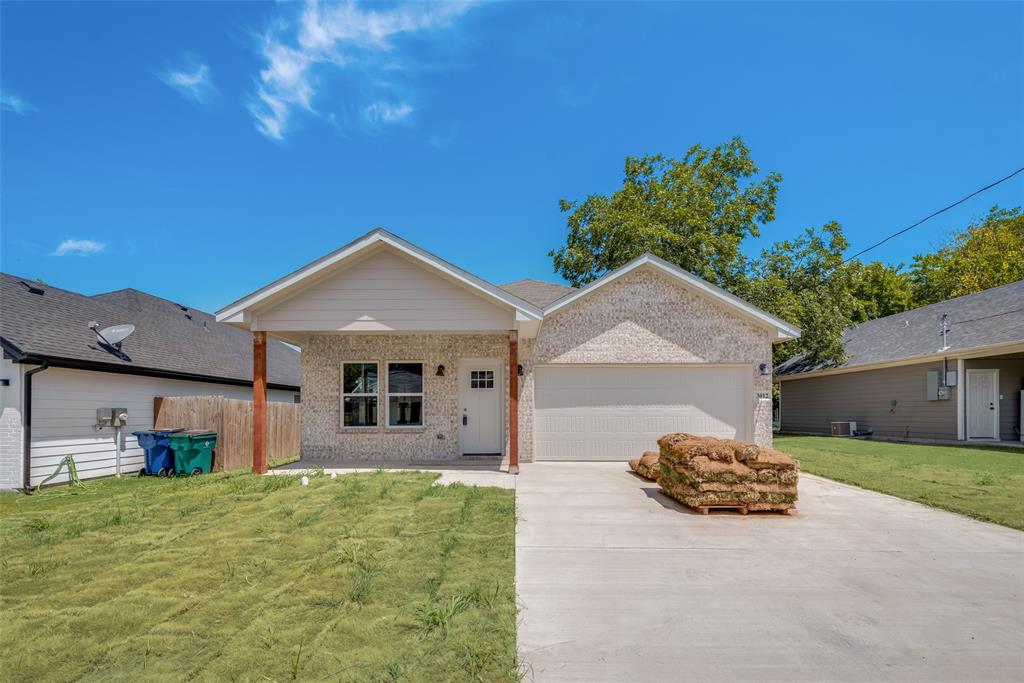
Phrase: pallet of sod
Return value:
(647, 465)
(704, 473)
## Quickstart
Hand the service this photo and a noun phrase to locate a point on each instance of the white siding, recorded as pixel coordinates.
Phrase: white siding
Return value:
(64, 404)
(386, 292)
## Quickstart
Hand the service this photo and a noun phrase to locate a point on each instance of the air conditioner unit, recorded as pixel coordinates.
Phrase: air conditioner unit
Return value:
(844, 428)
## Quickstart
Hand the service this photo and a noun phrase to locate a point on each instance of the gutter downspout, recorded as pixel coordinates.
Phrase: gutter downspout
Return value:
(26, 454)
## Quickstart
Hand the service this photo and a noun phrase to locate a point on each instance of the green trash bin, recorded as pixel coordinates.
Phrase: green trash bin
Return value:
(193, 451)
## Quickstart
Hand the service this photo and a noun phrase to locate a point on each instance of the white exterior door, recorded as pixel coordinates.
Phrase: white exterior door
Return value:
(617, 412)
(982, 404)
(480, 402)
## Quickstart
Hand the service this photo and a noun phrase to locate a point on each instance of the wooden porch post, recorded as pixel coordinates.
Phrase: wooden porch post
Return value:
(513, 402)
(259, 402)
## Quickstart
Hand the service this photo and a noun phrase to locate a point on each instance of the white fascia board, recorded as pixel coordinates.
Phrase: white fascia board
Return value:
(783, 330)
(377, 236)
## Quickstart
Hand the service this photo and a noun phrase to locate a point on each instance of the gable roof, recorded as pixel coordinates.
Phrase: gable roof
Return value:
(989, 318)
(537, 292)
(168, 340)
(783, 331)
(379, 236)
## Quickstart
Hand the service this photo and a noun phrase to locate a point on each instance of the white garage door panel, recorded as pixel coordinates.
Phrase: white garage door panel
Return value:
(618, 412)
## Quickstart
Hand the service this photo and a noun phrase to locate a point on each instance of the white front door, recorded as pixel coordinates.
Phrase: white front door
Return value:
(480, 401)
(982, 404)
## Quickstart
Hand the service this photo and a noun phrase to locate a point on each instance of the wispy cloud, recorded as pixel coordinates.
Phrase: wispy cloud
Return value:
(79, 248)
(385, 112)
(192, 81)
(303, 53)
(11, 102)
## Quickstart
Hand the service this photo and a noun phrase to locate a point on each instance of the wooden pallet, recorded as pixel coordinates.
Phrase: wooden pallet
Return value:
(704, 509)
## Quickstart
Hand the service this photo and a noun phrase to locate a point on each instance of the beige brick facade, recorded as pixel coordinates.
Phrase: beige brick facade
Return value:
(646, 317)
(643, 317)
(438, 439)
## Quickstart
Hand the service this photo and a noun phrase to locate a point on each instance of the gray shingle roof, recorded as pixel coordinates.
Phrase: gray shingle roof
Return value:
(994, 316)
(536, 292)
(167, 338)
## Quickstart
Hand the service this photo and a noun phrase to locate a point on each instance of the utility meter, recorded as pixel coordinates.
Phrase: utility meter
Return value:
(111, 417)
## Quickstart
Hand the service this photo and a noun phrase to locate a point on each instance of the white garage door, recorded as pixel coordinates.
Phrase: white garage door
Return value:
(618, 412)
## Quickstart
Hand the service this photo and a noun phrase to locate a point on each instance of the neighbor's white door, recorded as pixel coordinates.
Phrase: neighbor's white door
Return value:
(982, 404)
(480, 402)
(616, 412)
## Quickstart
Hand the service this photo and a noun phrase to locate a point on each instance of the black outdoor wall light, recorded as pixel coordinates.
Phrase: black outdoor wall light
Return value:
(519, 369)
(440, 371)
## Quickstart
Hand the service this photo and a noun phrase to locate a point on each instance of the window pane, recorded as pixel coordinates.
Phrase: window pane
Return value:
(360, 378)
(405, 411)
(360, 412)
(405, 378)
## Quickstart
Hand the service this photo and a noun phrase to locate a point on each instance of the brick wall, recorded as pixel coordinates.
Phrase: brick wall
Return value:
(438, 439)
(643, 317)
(10, 426)
(646, 317)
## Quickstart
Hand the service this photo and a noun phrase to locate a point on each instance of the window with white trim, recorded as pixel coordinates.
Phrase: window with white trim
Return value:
(359, 394)
(405, 394)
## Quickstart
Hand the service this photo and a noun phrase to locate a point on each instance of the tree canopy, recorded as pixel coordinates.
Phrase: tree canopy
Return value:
(696, 212)
(989, 253)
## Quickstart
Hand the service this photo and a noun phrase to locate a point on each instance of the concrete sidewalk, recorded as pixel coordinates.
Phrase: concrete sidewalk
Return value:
(616, 583)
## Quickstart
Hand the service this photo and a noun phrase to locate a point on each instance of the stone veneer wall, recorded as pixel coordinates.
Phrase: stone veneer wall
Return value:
(322, 433)
(645, 317)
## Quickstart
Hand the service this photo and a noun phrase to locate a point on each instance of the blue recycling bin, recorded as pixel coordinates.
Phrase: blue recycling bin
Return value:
(159, 457)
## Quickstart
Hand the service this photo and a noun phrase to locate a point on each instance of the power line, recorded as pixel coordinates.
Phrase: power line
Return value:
(986, 317)
(933, 215)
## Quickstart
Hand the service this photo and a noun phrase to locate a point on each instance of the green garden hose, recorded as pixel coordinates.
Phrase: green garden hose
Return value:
(73, 479)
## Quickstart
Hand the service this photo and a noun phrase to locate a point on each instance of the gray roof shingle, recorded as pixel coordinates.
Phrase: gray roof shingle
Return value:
(994, 316)
(167, 337)
(536, 292)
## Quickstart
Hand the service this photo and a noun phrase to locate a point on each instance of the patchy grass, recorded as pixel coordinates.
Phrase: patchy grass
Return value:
(234, 577)
(984, 483)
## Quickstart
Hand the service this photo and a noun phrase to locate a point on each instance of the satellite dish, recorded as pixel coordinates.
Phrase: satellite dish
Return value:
(115, 334)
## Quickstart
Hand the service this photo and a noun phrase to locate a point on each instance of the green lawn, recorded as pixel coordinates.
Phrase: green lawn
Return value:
(985, 483)
(234, 577)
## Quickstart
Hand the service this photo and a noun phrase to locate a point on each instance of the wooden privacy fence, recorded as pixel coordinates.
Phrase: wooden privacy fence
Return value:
(231, 418)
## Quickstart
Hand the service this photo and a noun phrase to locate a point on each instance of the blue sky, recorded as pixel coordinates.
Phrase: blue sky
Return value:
(200, 150)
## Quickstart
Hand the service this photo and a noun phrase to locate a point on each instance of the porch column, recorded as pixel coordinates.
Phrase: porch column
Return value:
(513, 402)
(259, 402)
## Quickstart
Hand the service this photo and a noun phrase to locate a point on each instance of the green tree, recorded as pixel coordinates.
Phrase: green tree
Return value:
(989, 253)
(881, 290)
(804, 280)
(693, 212)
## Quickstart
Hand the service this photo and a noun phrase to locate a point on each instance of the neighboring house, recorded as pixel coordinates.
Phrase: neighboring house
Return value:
(407, 357)
(55, 374)
(903, 379)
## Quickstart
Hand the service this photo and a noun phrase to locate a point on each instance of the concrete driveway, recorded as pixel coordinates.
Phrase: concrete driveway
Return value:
(618, 584)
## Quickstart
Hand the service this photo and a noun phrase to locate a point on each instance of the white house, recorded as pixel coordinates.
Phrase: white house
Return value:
(56, 374)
